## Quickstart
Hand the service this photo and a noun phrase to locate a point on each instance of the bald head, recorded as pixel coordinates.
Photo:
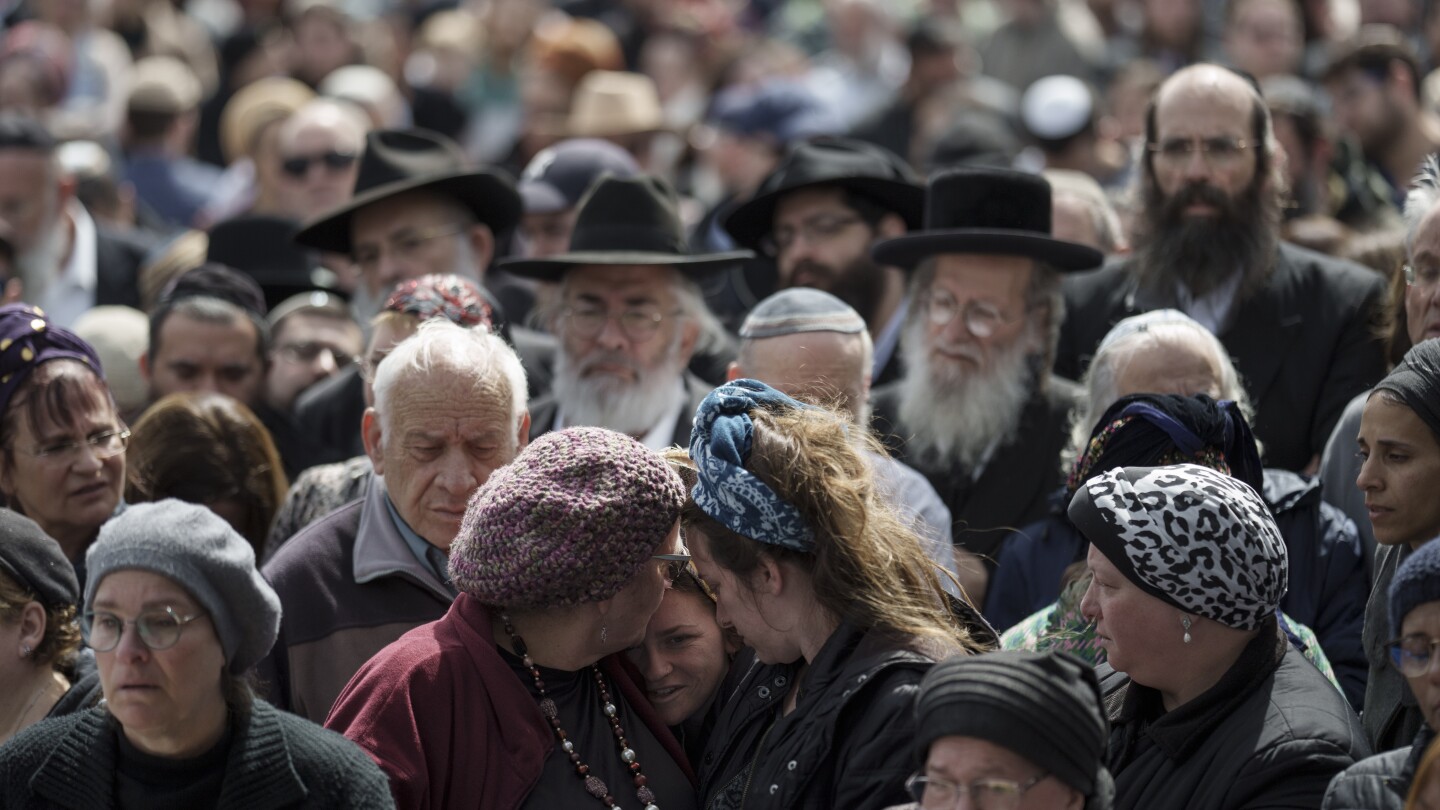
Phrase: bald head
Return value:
(829, 368)
(1205, 99)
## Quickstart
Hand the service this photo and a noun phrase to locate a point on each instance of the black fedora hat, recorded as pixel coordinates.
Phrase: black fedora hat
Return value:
(260, 246)
(625, 220)
(397, 161)
(983, 210)
(864, 168)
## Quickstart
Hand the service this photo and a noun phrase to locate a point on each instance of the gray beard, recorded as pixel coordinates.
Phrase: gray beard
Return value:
(951, 415)
(601, 400)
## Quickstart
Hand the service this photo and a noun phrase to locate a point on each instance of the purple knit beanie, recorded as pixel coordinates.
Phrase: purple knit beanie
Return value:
(572, 520)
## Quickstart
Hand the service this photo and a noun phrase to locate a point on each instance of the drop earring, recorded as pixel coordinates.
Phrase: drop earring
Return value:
(604, 633)
(1185, 622)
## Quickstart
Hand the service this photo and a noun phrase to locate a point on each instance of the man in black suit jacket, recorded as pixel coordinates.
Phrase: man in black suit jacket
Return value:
(1299, 325)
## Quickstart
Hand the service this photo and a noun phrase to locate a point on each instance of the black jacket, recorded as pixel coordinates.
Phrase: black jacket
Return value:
(1304, 344)
(1380, 782)
(1014, 488)
(276, 761)
(118, 258)
(1271, 734)
(543, 410)
(848, 742)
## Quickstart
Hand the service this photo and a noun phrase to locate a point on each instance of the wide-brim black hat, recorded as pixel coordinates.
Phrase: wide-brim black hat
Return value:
(396, 161)
(991, 211)
(626, 220)
(260, 246)
(873, 172)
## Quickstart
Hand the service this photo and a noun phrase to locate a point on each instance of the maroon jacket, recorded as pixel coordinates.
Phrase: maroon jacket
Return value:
(449, 722)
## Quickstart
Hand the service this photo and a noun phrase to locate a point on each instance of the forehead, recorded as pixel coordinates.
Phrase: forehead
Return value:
(1272, 12)
(184, 337)
(303, 327)
(622, 282)
(1155, 365)
(438, 397)
(1422, 619)
(807, 202)
(134, 588)
(1384, 420)
(412, 210)
(322, 133)
(1204, 103)
(798, 357)
(25, 165)
(1427, 238)
(978, 275)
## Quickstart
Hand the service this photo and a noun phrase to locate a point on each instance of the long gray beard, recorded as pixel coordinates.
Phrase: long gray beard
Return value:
(632, 408)
(949, 414)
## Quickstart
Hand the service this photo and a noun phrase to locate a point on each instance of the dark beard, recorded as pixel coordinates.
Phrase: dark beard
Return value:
(1204, 252)
(861, 284)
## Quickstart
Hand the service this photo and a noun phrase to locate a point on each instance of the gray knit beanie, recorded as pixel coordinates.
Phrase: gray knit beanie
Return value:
(200, 552)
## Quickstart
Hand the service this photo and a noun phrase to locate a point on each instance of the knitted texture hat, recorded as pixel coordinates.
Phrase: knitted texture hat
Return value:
(34, 560)
(1042, 706)
(1415, 583)
(197, 550)
(572, 520)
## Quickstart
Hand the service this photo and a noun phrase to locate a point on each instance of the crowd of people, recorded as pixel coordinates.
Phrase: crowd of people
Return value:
(723, 404)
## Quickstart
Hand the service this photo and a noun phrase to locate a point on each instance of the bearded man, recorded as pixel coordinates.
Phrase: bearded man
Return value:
(628, 316)
(977, 411)
(1299, 325)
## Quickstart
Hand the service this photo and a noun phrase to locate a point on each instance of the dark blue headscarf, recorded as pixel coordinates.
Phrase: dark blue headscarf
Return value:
(27, 339)
(736, 498)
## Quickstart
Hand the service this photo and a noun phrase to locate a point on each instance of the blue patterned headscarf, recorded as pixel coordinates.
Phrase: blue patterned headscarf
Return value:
(733, 496)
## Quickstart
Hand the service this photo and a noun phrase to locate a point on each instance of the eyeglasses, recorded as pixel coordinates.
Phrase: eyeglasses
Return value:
(1421, 276)
(105, 445)
(639, 325)
(159, 629)
(310, 352)
(672, 566)
(1412, 657)
(1214, 151)
(981, 318)
(299, 165)
(815, 229)
(985, 794)
(405, 247)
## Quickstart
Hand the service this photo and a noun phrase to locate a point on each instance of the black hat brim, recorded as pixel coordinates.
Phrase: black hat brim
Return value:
(749, 223)
(908, 251)
(490, 196)
(553, 268)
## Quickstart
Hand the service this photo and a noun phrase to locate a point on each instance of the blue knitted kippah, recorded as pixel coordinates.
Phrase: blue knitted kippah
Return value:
(1417, 582)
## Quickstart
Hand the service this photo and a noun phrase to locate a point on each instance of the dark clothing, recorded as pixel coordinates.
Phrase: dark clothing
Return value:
(1380, 782)
(175, 188)
(543, 411)
(1014, 488)
(147, 782)
(276, 760)
(299, 450)
(1392, 715)
(846, 744)
(118, 258)
(84, 691)
(1270, 734)
(1327, 590)
(452, 725)
(1304, 344)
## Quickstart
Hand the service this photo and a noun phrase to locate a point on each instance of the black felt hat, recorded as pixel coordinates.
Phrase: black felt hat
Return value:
(397, 161)
(36, 563)
(983, 210)
(260, 247)
(863, 168)
(626, 220)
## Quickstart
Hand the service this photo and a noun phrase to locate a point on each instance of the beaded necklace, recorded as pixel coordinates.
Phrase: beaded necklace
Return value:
(594, 785)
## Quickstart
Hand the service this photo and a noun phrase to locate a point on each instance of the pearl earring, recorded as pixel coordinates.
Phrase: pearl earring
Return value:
(1185, 622)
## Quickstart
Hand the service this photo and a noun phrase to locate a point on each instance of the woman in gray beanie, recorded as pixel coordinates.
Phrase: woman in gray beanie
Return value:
(177, 614)
(1014, 730)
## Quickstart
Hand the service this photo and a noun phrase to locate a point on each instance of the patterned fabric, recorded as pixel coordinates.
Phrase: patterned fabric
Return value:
(730, 494)
(1190, 536)
(451, 297)
(27, 339)
(571, 520)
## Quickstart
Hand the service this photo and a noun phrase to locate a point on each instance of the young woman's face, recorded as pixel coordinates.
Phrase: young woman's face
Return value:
(1400, 463)
(742, 608)
(683, 657)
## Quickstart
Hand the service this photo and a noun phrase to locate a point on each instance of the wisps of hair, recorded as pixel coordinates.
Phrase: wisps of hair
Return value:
(1420, 200)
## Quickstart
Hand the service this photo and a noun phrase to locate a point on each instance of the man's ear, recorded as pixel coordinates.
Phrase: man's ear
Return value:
(890, 226)
(768, 577)
(145, 367)
(732, 371)
(482, 242)
(689, 336)
(372, 436)
(522, 433)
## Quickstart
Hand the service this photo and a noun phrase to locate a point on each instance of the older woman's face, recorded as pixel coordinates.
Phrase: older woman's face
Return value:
(162, 698)
(632, 608)
(1419, 629)
(955, 763)
(1400, 463)
(1134, 628)
(683, 656)
(68, 491)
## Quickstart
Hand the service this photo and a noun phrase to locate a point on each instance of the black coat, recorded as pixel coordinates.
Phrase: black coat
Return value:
(118, 258)
(1271, 734)
(276, 760)
(1304, 344)
(543, 410)
(1380, 782)
(1014, 489)
(847, 744)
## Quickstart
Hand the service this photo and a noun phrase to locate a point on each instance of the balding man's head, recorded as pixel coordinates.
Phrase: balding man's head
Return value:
(827, 368)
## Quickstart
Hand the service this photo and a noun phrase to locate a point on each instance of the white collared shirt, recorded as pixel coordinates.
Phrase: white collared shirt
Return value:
(71, 293)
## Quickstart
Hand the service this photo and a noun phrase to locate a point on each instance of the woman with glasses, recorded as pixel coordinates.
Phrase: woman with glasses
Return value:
(1010, 731)
(177, 614)
(1210, 706)
(520, 698)
(831, 590)
(211, 450)
(1382, 781)
(62, 442)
